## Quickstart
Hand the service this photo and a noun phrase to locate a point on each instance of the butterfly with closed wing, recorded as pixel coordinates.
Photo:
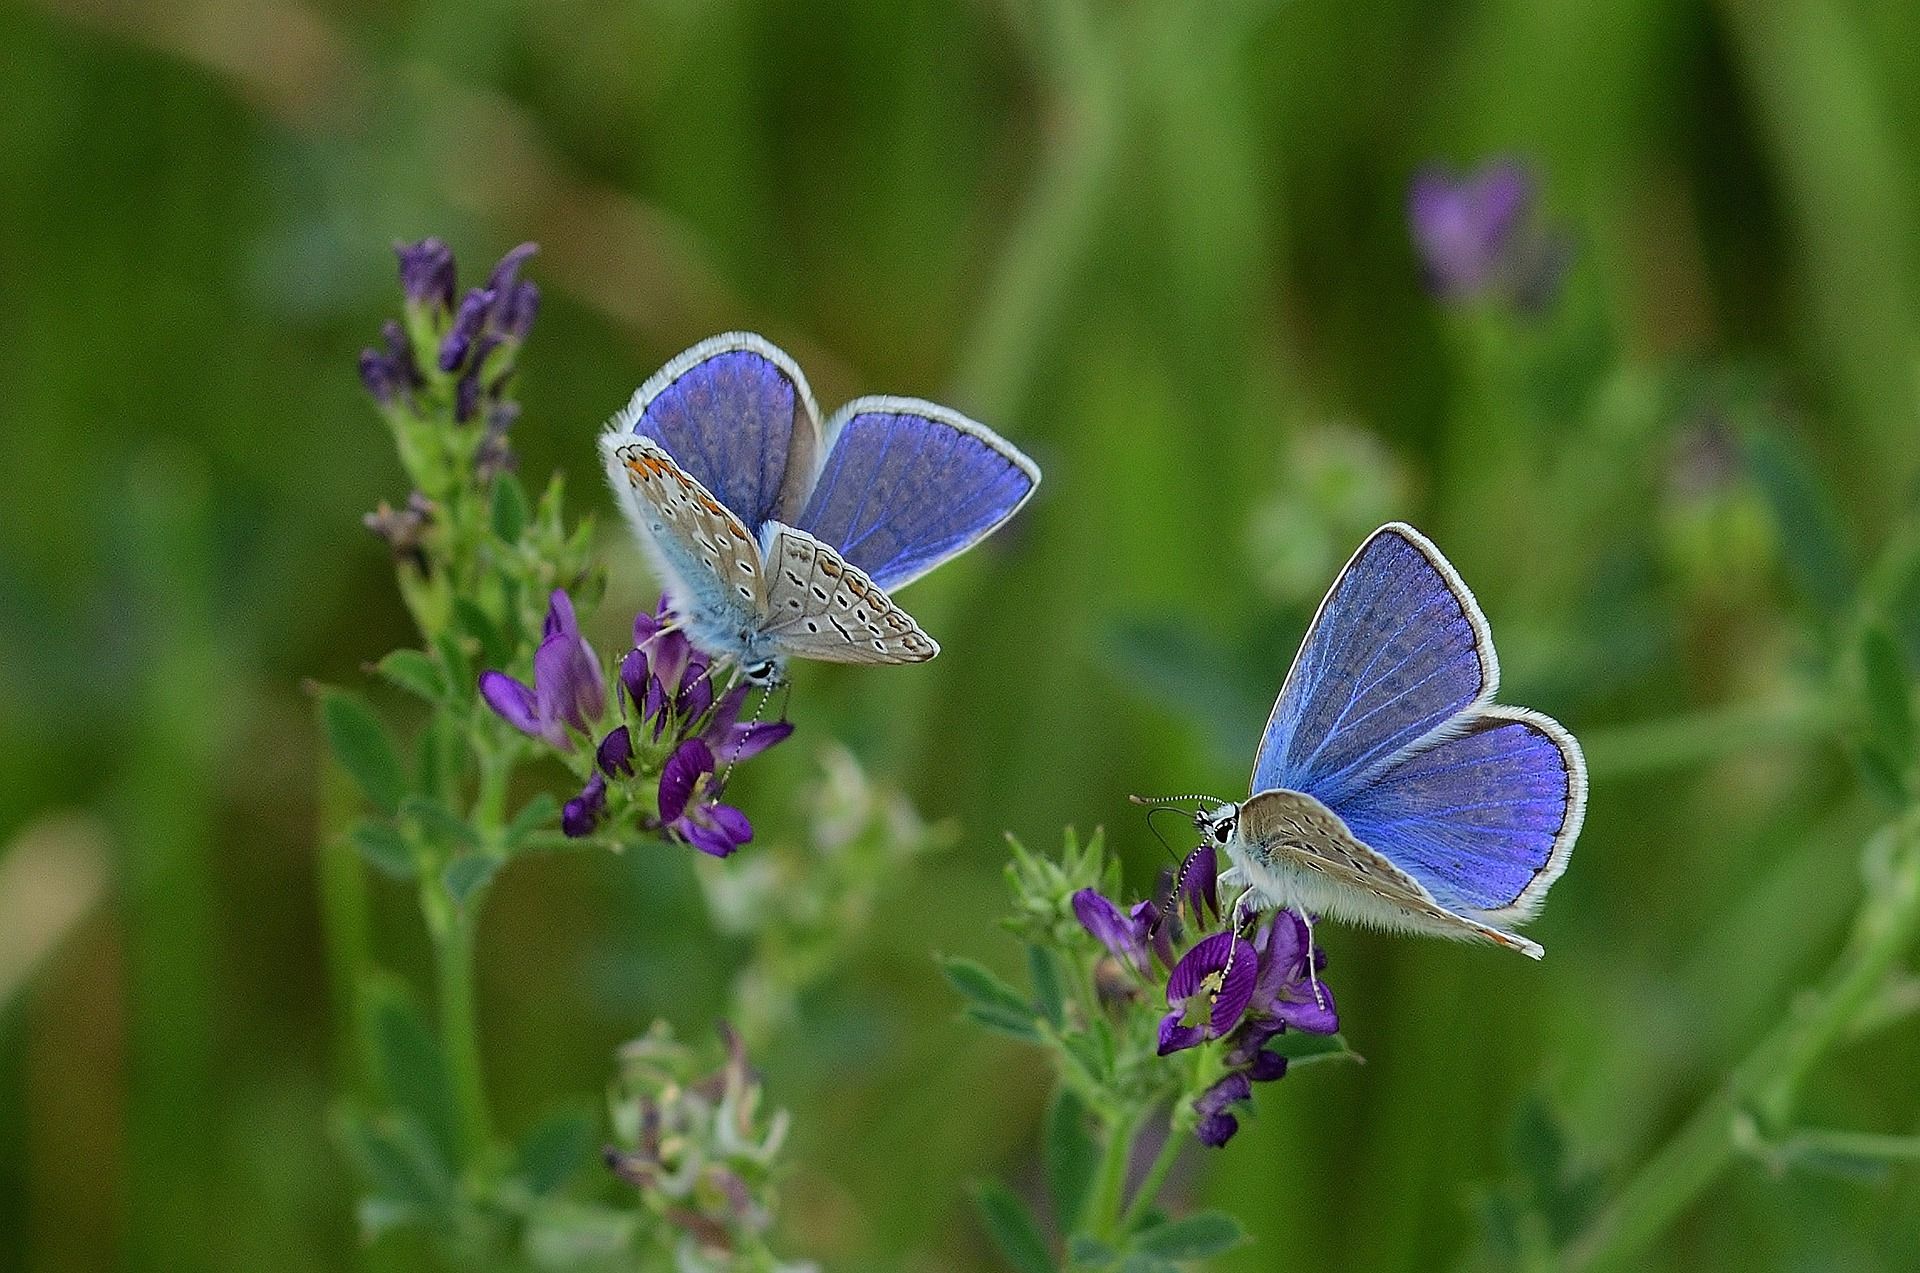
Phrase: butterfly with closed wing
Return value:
(1389, 789)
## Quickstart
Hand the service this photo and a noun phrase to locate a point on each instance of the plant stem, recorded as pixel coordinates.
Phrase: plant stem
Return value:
(1156, 1176)
(453, 929)
(1110, 1181)
(1766, 1083)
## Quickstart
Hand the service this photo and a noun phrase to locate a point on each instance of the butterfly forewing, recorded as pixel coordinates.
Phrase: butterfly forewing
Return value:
(820, 607)
(712, 565)
(908, 484)
(1397, 651)
(736, 415)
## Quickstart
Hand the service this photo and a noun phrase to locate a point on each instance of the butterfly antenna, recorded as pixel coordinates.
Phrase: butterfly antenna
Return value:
(733, 756)
(1163, 808)
(1173, 800)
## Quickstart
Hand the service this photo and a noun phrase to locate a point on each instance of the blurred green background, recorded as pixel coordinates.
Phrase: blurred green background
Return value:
(1163, 248)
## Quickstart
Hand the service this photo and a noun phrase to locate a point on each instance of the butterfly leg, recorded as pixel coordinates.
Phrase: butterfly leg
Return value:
(1245, 900)
(1313, 975)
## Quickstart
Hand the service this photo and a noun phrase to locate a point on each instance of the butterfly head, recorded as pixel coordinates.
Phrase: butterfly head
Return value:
(1216, 825)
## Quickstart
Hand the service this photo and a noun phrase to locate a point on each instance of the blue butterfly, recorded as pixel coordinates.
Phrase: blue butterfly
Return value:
(776, 539)
(1389, 789)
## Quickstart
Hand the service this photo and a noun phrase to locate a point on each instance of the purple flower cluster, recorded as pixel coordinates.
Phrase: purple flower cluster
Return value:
(1242, 990)
(675, 725)
(472, 343)
(1478, 235)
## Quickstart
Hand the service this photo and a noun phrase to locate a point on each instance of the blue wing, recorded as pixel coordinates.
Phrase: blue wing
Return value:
(1397, 652)
(908, 484)
(736, 414)
(1485, 819)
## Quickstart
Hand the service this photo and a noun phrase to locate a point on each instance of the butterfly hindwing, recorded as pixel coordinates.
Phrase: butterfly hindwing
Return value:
(711, 566)
(1310, 853)
(907, 484)
(820, 607)
(737, 416)
(1397, 652)
(1485, 818)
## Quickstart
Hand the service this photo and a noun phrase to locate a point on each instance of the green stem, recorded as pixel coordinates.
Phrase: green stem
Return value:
(1110, 1181)
(1149, 1190)
(453, 936)
(1694, 738)
(1765, 1084)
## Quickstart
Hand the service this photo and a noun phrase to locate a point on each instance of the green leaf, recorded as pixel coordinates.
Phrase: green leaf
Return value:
(1044, 971)
(1147, 1262)
(460, 673)
(1012, 1228)
(440, 823)
(1193, 1237)
(403, 1172)
(1301, 1048)
(509, 508)
(413, 1070)
(1071, 1158)
(415, 673)
(382, 845)
(468, 874)
(475, 622)
(533, 815)
(554, 1150)
(363, 748)
(990, 1001)
(1889, 695)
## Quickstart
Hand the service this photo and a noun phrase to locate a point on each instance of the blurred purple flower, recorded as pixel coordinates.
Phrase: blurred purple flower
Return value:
(567, 688)
(1478, 235)
(426, 273)
(390, 373)
(689, 805)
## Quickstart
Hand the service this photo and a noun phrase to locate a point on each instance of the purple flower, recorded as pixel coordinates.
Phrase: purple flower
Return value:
(390, 374)
(614, 756)
(467, 323)
(500, 313)
(580, 815)
(689, 806)
(1197, 879)
(1125, 936)
(426, 273)
(1208, 991)
(1283, 992)
(1216, 1126)
(1477, 234)
(734, 740)
(567, 688)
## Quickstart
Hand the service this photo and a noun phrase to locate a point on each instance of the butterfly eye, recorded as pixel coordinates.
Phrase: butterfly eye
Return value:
(762, 672)
(1221, 830)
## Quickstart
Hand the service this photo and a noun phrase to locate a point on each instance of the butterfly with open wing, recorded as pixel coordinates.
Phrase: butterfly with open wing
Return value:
(779, 538)
(1389, 789)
